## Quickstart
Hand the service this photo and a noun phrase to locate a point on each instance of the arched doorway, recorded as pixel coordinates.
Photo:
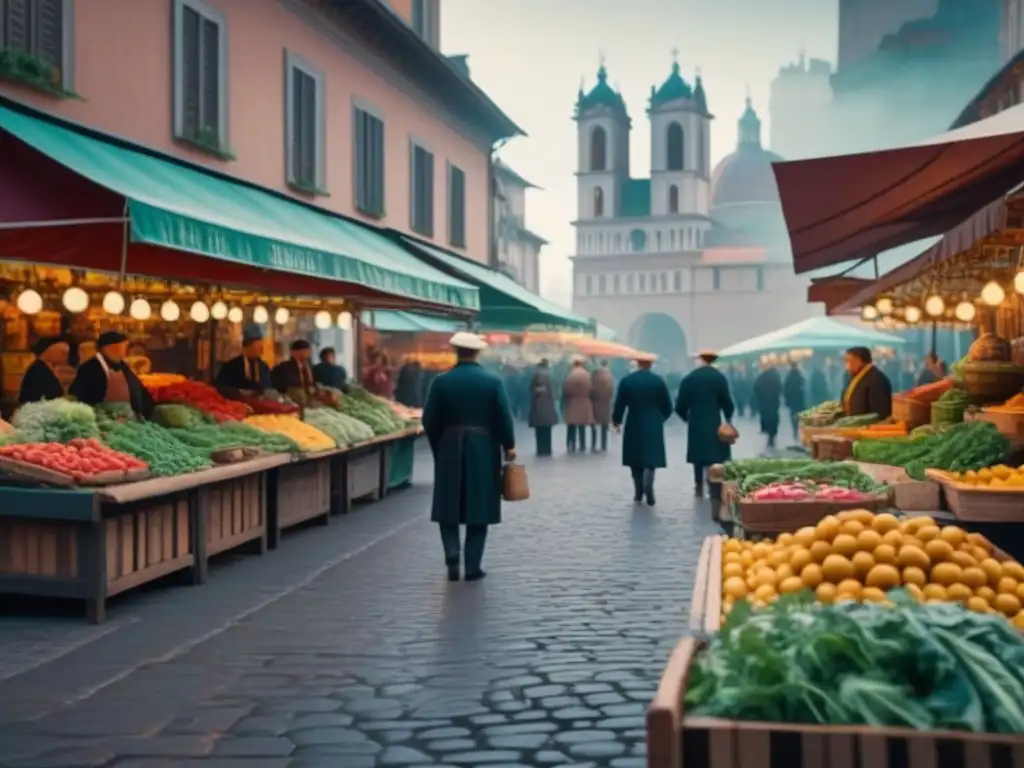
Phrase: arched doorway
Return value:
(660, 333)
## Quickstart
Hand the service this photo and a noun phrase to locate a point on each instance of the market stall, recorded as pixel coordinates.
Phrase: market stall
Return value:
(803, 339)
(155, 462)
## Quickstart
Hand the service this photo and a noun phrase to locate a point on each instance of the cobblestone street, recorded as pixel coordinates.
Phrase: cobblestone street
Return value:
(347, 648)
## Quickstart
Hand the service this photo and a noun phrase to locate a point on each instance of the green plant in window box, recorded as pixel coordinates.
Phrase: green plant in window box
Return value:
(26, 69)
(308, 189)
(208, 140)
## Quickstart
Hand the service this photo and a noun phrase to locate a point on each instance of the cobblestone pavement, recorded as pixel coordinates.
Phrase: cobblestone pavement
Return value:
(348, 648)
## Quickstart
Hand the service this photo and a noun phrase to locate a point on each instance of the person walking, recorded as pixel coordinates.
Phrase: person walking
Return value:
(577, 407)
(468, 423)
(819, 387)
(767, 397)
(643, 403)
(703, 401)
(602, 387)
(543, 414)
(795, 397)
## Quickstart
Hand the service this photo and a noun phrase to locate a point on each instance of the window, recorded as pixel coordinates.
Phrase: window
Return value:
(677, 281)
(716, 279)
(423, 20)
(200, 76)
(590, 284)
(760, 279)
(663, 282)
(456, 207)
(42, 29)
(421, 217)
(638, 241)
(598, 203)
(642, 280)
(616, 283)
(601, 284)
(369, 163)
(304, 126)
(702, 168)
(673, 199)
(629, 282)
(674, 147)
(598, 149)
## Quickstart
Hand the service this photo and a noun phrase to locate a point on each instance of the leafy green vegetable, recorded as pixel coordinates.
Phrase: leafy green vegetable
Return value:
(752, 474)
(178, 416)
(961, 447)
(931, 666)
(53, 421)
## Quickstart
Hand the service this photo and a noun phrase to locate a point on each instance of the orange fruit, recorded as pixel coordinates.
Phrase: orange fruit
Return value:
(837, 568)
(852, 527)
(885, 553)
(848, 588)
(805, 537)
(790, 585)
(915, 592)
(1007, 604)
(1014, 570)
(811, 575)
(820, 550)
(963, 559)
(914, 575)
(1008, 585)
(928, 532)
(799, 558)
(825, 593)
(844, 544)
(893, 538)
(939, 550)
(992, 569)
(1018, 621)
(973, 577)
(910, 555)
(988, 593)
(978, 604)
(883, 576)
(872, 595)
(946, 574)
(868, 539)
(958, 593)
(827, 528)
(934, 592)
(862, 563)
(884, 523)
(953, 536)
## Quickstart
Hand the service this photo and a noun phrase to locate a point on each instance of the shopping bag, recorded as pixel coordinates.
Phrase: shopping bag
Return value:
(727, 434)
(514, 484)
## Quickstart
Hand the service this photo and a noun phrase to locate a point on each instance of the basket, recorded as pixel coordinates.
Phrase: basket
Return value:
(791, 516)
(972, 504)
(947, 413)
(831, 448)
(985, 385)
(912, 412)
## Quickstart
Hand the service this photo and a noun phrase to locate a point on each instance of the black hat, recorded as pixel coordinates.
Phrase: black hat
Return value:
(110, 337)
(45, 343)
(301, 344)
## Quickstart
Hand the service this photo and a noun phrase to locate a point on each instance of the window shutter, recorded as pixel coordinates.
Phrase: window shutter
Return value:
(209, 97)
(378, 165)
(190, 72)
(17, 26)
(49, 29)
(360, 151)
(309, 130)
(428, 193)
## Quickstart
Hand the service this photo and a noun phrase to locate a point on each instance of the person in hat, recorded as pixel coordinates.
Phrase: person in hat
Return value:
(643, 403)
(106, 378)
(543, 414)
(295, 372)
(40, 381)
(794, 395)
(468, 423)
(602, 388)
(703, 402)
(767, 397)
(247, 372)
(577, 407)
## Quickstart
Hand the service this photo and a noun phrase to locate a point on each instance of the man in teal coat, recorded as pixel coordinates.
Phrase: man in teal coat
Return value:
(643, 401)
(702, 403)
(468, 423)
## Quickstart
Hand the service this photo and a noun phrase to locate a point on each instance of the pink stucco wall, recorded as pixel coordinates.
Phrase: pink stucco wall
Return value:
(122, 70)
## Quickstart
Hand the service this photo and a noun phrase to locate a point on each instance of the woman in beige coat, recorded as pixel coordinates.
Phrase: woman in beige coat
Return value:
(577, 407)
(602, 387)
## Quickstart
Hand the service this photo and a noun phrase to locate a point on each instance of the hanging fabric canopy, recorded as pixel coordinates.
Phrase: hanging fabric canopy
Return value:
(816, 333)
(850, 207)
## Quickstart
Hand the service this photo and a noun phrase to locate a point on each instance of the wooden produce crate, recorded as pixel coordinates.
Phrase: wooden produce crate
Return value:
(297, 493)
(831, 448)
(706, 601)
(906, 494)
(233, 513)
(790, 516)
(1009, 423)
(912, 412)
(675, 740)
(971, 503)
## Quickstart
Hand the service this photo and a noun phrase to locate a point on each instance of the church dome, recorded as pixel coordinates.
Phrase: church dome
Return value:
(674, 87)
(601, 95)
(745, 176)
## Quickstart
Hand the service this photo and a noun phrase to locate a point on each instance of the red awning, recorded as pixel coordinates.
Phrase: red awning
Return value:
(834, 291)
(855, 206)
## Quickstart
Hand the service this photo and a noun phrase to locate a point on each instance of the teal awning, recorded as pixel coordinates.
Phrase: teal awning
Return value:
(816, 333)
(395, 321)
(504, 303)
(186, 209)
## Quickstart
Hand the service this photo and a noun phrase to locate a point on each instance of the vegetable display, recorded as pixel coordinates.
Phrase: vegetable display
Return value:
(822, 415)
(203, 397)
(370, 410)
(241, 433)
(262, 405)
(156, 380)
(1014, 405)
(54, 421)
(804, 491)
(80, 458)
(928, 667)
(753, 474)
(999, 476)
(306, 437)
(928, 393)
(949, 408)
(177, 416)
(344, 429)
(154, 445)
(963, 446)
(858, 555)
(856, 421)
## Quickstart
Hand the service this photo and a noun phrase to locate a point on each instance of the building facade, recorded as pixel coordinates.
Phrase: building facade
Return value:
(518, 247)
(799, 108)
(864, 23)
(348, 107)
(692, 256)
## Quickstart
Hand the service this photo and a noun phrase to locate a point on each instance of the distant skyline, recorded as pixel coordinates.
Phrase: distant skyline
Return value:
(530, 56)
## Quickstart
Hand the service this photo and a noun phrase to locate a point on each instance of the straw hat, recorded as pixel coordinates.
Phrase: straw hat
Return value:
(466, 340)
(645, 357)
(707, 353)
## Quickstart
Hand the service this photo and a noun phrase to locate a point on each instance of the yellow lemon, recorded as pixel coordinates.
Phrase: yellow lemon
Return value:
(909, 555)
(868, 539)
(764, 592)
(844, 544)
(862, 563)
(836, 568)
(805, 537)
(1014, 570)
(1008, 585)
(790, 585)
(811, 575)
(825, 593)
(958, 593)
(850, 588)
(963, 559)
(938, 550)
(914, 575)
(988, 593)
(978, 604)
(827, 528)
(893, 538)
(953, 535)
(934, 592)
(852, 527)
(883, 576)
(735, 587)
(820, 550)
(1007, 604)
(872, 595)
(992, 569)
(885, 553)
(799, 558)
(973, 577)
(928, 532)
(946, 574)
(884, 523)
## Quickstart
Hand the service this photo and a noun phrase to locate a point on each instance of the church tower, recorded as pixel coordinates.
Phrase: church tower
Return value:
(603, 127)
(680, 147)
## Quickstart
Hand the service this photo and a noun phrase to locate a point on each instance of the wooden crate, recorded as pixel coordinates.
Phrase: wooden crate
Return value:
(789, 516)
(364, 474)
(911, 412)
(831, 448)
(147, 540)
(971, 503)
(706, 601)
(39, 549)
(297, 493)
(234, 513)
(675, 740)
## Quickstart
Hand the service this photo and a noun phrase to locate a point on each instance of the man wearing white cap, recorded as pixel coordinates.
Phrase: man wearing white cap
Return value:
(468, 423)
(644, 403)
(703, 401)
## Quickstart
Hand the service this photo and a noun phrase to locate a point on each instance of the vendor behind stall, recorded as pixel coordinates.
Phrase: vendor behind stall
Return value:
(106, 378)
(869, 390)
(247, 372)
(295, 372)
(40, 381)
(328, 373)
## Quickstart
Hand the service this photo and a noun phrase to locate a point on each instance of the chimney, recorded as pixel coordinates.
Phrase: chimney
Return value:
(461, 62)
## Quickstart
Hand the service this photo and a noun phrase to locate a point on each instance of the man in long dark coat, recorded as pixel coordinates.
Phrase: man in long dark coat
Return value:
(767, 398)
(543, 414)
(869, 390)
(468, 423)
(703, 401)
(643, 403)
(795, 397)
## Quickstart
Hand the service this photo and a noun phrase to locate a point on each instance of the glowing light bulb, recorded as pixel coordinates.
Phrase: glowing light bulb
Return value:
(993, 294)
(260, 315)
(965, 311)
(281, 315)
(323, 320)
(345, 321)
(75, 300)
(235, 315)
(29, 302)
(199, 312)
(140, 309)
(113, 303)
(169, 311)
(912, 314)
(219, 310)
(1018, 282)
(934, 305)
(884, 306)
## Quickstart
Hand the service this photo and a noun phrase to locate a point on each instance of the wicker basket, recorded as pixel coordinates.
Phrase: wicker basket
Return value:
(912, 412)
(947, 413)
(986, 385)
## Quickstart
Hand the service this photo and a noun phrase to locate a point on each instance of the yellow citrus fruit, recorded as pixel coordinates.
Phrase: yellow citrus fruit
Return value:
(735, 587)
(872, 595)
(746, 559)
(732, 569)
(836, 568)
(893, 538)
(1018, 620)
(785, 539)
(799, 558)
(844, 544)
(883, 576)
(934, 592)
(1007, 604)
(764, 592)
(939, 550)
(766, 576)
(1014, 570)
(850, 588)
(811, 575)
(784, 571)
(992, 569)
(928, 532)
(820, 550)
(978, 604)
(885, 522)
(973, 577)
(1008, 585)
(865, 516)
(980, 553)
(827, 528)
(790, 585)
(868, 539)
(731, 545)
(912, 541)
(885, 553)
(862, 563)
(988, 593)
(914, 575)
(917, 523)
(805, 537)
(852, 527)
(946, 574)
(977, 540)
(958, 593)
(761, 550)
(912, 556)
(731, 557)
(963, 559)
(953, 536)
(825, 593)
(915, 592)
